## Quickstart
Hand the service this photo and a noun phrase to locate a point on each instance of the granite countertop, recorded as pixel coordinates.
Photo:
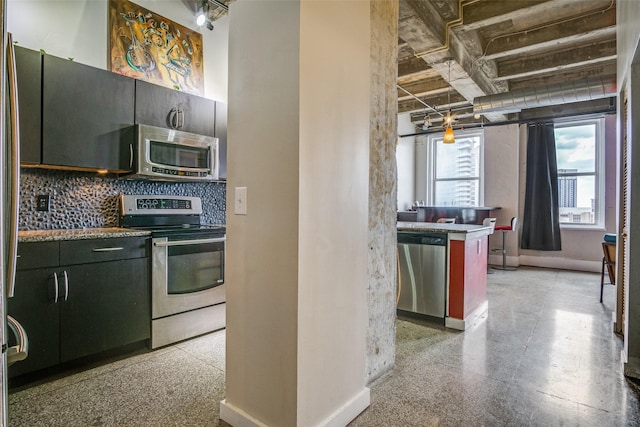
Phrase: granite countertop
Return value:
(433, 227)
(78, 234)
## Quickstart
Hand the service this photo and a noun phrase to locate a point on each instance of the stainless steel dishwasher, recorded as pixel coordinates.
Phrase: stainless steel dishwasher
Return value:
(422, 263)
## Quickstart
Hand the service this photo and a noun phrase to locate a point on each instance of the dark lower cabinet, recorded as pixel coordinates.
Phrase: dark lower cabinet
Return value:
(33, 306)
(96, 304)
(107, 307)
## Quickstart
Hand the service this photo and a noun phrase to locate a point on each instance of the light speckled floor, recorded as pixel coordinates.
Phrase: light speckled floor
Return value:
(544, 356)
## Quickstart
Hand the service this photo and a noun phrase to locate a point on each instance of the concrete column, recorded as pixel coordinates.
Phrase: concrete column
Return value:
(299, 105)
(381, 337)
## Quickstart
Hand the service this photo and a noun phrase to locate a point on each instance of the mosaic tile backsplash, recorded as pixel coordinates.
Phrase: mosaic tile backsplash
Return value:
(88, 200)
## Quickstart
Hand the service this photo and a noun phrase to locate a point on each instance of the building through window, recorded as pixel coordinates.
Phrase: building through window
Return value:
(455, 178)
(579, 151)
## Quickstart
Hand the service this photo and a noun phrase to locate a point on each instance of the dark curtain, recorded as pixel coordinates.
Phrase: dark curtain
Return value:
(541, 222)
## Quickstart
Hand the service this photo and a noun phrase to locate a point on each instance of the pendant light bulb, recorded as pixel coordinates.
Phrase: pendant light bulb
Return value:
(449, 137)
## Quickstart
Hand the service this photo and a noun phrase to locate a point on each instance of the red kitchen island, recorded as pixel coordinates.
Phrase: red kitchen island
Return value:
(443, 272)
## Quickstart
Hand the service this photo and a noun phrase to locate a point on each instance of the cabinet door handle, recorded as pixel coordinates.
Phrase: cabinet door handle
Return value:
(180, 118)
(173, 118)
(118, 248)
(21, 350)
(55, 284)
(66, 285)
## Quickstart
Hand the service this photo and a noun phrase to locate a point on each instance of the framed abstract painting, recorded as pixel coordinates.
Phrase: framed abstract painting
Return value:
(150, 47)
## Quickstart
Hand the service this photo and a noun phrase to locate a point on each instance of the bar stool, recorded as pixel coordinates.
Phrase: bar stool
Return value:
(490, 222)
(503, 249)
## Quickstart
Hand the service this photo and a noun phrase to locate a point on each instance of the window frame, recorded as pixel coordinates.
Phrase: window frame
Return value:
(432, 180)
(599, 173)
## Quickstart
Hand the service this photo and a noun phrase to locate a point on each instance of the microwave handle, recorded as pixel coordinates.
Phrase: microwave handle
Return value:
(173, 118)
(180, 118)
(130, 156)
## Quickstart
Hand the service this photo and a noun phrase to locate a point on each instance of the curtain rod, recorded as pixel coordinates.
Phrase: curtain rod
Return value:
(607, 112)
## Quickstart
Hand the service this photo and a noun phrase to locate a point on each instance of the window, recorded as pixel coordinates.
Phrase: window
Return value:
(579, 150)
(455, 177)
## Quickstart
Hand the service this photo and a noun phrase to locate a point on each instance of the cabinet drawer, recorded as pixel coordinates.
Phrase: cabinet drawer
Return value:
(38, 255)
(98, 250)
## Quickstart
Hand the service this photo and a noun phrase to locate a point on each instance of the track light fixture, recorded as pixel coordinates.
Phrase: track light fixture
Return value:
(202, 15)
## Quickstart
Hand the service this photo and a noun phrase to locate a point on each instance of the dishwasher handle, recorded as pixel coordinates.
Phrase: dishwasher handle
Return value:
(432, 239)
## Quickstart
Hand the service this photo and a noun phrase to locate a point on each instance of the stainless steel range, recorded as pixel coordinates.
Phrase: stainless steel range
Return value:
(187, 265)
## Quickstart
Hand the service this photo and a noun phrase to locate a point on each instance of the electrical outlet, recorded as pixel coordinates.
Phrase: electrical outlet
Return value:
(43, 203)
(240, 207)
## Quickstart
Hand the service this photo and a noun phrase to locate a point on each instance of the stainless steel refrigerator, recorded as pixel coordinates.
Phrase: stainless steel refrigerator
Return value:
(9, 192)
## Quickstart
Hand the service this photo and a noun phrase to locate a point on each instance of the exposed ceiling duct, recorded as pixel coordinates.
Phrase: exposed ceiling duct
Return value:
(546, 95)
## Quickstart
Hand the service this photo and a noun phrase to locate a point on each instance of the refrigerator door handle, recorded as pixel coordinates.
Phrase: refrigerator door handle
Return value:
(15, 167)
(20, 351)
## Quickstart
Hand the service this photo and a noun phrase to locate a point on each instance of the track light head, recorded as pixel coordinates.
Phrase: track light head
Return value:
(202, 14)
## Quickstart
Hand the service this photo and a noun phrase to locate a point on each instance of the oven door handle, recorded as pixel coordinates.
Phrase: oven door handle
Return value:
(189, 242)
(112, 249)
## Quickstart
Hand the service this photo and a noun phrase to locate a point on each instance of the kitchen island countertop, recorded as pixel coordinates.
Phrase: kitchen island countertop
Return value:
(78, 234)
(434, 227)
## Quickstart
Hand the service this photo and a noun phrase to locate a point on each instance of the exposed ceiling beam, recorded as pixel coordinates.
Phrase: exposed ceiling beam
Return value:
(599, 26)
(484, 14)
(561, 76)
(555, 61)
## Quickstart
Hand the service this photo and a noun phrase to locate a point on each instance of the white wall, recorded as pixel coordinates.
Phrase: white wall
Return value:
(297, 313)
(406, 158)
(501, 183)
(78, 29)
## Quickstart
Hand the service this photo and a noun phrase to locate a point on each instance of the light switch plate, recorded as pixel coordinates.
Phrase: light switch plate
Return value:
(42, 203)
(240, 203)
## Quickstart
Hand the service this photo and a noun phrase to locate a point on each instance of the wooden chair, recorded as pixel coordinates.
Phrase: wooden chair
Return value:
(609, 259)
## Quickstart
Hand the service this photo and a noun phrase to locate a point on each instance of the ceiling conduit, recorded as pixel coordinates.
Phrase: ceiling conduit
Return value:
(547, 95)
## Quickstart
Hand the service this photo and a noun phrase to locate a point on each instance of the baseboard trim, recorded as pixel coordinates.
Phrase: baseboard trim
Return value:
(463, 325)
(237, 417)
(561, 263)
(341, 417)
(349, 411)
(631, 366)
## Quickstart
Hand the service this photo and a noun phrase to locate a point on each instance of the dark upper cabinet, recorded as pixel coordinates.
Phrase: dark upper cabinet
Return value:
(221, 134)
(29, 79)
(87, 116)
(168, 108)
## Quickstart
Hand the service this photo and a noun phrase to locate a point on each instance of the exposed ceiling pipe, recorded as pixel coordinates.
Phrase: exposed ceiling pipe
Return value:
(547, 95)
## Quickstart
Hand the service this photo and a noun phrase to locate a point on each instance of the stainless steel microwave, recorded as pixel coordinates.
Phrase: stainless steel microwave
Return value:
(173, 155)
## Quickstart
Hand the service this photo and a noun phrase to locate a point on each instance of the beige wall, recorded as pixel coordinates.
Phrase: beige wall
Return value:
(297, 310)
(262, 246)
(501, 183)
(333, 208)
